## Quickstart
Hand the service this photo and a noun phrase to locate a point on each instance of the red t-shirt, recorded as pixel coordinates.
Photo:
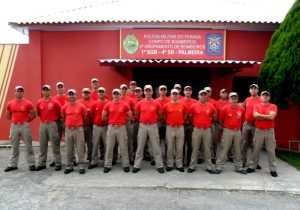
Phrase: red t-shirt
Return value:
(219, 104)
(19, 110)
(265, 109)
(48, 110)
(202, 114)
(96, 111)
(129, 101)
(88, 105)
(131, 95)
(74, 114)
(62, 99)
(232, 116)
(188, 104)
(175, 113)
(148, 111)
(135, 101)
(117, 112)
(94, 95)
(162, 102)
(249, 104)
(211, 101)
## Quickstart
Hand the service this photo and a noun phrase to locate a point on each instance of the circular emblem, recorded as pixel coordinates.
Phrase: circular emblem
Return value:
(130, 44)
(50, 106)
(23, 108)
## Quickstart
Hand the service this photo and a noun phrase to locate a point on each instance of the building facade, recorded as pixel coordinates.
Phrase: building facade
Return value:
(216, 53)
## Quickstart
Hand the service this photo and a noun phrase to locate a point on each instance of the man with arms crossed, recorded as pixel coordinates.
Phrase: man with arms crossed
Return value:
(264, 114)
(249, 123)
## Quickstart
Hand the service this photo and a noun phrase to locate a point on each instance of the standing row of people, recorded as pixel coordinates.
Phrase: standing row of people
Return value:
(130, 121)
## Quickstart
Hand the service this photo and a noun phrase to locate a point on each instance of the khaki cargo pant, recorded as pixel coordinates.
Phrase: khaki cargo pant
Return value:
(75, 137)
(152, 132)
(129, 129)
(24, 131)
(175, 137)
(88, 136)
(135, 125)
(261, 137)
(49, 131)
(119, 135)
(247, 135)
(230, 137)
(99, 135)
(201, 136)
(187, 148)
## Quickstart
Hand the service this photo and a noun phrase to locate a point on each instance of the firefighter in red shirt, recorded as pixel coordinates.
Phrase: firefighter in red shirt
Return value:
(99, 127)
(130, 101)
(175, 113)
(202, 115)
(188, 126)
(94, 87)
(138, 97)
(49, 111)
(231, 117)
(74, 114)
(178, 87)
(62, 98)
(116, 113)
(88, 124)
(20, 111)
(219, 104)
(212, 102)
(249, 123)
(148, 111)
(130, 91)
(161, 124)
(264, 114)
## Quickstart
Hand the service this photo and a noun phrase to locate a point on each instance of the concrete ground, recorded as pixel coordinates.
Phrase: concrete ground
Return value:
(147, 189)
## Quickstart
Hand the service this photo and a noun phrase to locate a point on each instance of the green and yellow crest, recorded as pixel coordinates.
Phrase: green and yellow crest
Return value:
(131, 44)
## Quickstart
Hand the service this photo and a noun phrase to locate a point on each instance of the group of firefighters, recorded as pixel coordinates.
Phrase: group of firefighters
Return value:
(135, 126)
